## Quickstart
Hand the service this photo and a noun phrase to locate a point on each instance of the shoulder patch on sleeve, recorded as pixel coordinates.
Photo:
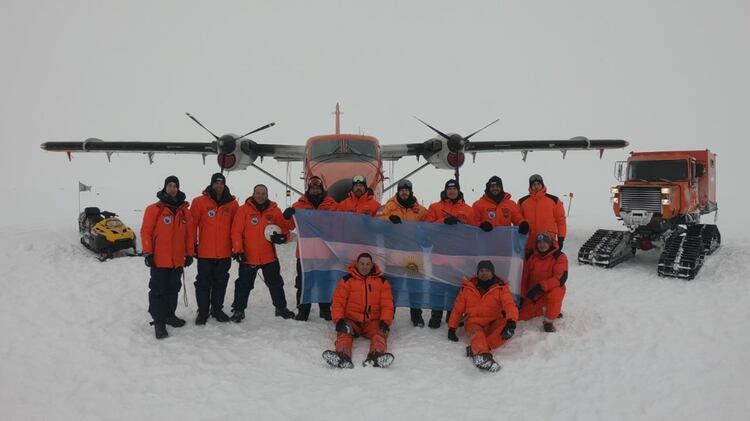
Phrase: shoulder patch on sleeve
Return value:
(553, 197)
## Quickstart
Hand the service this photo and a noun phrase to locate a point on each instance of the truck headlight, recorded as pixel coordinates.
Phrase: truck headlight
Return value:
(615, 190)
(666, 190)
(666, 201)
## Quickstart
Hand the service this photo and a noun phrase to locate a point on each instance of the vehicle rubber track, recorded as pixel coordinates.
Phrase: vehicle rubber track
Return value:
(684, 252)
(606, 248)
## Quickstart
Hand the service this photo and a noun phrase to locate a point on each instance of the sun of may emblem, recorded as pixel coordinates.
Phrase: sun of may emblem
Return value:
(413, 266)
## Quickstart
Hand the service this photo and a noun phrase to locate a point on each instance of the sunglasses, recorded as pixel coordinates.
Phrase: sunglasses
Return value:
(359, 179)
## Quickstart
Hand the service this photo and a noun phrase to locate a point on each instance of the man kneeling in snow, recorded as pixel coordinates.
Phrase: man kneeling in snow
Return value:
(362, 305)
(543, 282)
(490, 314)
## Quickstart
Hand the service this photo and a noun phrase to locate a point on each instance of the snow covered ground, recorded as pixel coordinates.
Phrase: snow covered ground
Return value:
(76, 344)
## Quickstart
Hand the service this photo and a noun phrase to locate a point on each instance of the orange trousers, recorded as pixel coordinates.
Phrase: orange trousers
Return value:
(485, 338)
(369, 329)
(549, 305)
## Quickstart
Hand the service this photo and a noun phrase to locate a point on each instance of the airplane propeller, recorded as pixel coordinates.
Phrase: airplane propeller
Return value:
(456, 144)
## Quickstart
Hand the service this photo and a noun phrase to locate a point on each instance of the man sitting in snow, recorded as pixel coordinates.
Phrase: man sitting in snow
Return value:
(490, 314)
(543, 282)
(362, 305)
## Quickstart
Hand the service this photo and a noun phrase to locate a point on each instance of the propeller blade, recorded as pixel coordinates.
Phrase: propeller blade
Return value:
(469, 136)
(257, 130)
(204, 127)
(434, 129)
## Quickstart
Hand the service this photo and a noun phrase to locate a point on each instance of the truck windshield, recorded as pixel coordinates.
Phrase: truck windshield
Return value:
(672, 170)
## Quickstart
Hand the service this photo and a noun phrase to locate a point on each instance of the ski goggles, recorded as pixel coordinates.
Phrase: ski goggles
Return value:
(404, 184)
(544, 237)
(359, 179)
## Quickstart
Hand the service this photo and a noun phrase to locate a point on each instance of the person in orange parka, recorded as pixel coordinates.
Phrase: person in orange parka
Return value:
(169, 221)
(450, 210)
(361, 199)
(543, 282)
(496, 209)
(544, 212)
(490, 314)
(362, 305)
(254, 252)
(315, 197)
(213, 212)
(405, 207)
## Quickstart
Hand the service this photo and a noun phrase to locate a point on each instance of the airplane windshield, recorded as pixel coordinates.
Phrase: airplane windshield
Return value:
(672, 170)
(331, 149)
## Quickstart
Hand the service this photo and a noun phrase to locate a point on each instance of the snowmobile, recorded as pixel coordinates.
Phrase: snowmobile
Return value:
(104, 233)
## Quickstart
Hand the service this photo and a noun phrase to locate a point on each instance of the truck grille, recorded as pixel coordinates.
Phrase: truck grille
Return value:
(640, 198)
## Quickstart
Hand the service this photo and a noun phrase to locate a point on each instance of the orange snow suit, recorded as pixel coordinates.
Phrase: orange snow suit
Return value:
(213, 225)
(363, 301)
(438, 211)
(551, 272)
(500, 214)
(365, 204)
(248, 232)
(415, 213)
(485, 314)
(545, 213)
(167, 232)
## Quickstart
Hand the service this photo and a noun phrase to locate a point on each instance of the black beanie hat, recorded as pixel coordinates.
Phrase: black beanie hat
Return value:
(452, 183)
(404, 184)
(172, 179)
(536, 177)
(496, 180)
(486, 264)
(218, 177)
(361, 255)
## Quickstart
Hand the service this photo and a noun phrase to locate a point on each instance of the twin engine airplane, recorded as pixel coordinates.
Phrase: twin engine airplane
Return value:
(336, 158)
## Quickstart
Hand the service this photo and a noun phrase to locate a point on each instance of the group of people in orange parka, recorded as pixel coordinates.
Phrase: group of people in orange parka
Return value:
(217, 229)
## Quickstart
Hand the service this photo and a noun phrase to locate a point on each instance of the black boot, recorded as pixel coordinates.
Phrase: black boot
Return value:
(284, 313)
(160, 330)
(486, 362)
(549, 327)
(378, 359)
(201, 319)
(325, 311)
(174, 321)
(220, 316)
(435, 319)
(238, 316)
(303, 313)
(416, 317)
(337, 359)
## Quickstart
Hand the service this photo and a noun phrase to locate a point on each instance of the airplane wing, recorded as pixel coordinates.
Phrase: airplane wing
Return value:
(437, 145)
(234, 154)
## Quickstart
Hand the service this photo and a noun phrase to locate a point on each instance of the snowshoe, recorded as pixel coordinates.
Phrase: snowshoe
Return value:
(378, 359)
(485, 361)
(337, 359)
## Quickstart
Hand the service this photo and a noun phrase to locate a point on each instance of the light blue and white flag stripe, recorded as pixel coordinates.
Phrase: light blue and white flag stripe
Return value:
(424, 262)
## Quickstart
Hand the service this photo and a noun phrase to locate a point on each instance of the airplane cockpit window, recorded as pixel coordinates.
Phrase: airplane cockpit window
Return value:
(362, 148)
(325, 147)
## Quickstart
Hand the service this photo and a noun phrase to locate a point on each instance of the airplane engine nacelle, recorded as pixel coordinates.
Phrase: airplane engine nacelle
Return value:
(234, 157)
(443, 157)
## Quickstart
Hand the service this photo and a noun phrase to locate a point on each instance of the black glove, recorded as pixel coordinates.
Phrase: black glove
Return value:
(485, 226)
(188, 260)
(239, 257)
(278, 238)
(343, 327)
(508, 330)
(148, 259)
(384, 327)
(395, 219)
(534, 292)
(288, 213)
(523, 228)
(451, 220)
(196, 249)
(560, 241)
(452, 334)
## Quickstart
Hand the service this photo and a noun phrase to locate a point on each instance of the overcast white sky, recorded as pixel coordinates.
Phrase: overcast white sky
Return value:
(660, 74)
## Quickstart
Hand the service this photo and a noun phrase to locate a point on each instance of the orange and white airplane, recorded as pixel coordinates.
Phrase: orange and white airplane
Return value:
(336, 158)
